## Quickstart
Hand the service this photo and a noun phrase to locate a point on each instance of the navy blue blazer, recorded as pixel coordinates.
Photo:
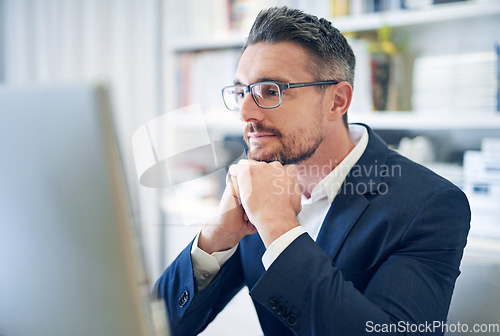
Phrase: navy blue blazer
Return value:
(386, 259)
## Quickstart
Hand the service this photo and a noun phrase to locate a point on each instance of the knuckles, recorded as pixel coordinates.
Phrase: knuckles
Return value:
(259, 169)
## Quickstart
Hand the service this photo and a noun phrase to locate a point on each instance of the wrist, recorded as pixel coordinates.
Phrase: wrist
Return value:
(211, 240)
(274, 229)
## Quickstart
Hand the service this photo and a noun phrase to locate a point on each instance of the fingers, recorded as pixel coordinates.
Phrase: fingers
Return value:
(237, 169)
(233, 184)
(240, 174)
(240, 178)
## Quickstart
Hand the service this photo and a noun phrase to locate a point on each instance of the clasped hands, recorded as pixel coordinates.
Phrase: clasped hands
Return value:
(259, 197)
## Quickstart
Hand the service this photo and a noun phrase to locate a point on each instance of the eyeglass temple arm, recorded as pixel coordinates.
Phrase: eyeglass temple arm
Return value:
(297, 85)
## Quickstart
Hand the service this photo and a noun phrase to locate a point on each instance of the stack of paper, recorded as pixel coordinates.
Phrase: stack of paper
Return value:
(460, 83)
(482, 186)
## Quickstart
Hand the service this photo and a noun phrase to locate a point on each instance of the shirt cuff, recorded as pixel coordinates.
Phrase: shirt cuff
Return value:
(206, 266)
(279, 245)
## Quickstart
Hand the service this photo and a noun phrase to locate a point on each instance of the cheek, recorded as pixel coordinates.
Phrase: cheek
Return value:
(304, 122)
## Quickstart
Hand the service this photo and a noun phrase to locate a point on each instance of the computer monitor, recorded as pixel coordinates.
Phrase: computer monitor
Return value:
(69, 264)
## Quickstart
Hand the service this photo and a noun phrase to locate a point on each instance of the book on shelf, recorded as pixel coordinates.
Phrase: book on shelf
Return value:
(362, 100)
(339, 8)
(497, 50)
(245, 11)
(203, 18)
(419, 4)
(391, 81)
(219, 17)
(201, 76)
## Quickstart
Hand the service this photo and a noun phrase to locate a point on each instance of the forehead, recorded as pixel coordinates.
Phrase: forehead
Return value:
(284, 61)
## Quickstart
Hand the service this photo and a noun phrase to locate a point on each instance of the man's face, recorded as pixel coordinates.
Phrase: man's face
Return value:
(293, 131)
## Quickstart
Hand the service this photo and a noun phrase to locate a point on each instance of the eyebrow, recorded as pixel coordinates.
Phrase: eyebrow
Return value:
(264, 79)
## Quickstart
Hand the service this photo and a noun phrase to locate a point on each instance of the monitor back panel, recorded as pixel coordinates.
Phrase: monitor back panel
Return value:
(67, 261)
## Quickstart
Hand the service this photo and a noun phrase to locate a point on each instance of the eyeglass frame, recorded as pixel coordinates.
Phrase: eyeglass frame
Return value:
(281, 86)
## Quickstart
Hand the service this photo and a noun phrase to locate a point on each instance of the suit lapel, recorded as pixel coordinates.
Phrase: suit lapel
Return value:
(364, 178)
(343, 214)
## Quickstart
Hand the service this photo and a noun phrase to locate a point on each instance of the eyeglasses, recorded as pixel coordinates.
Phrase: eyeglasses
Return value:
(266, 95)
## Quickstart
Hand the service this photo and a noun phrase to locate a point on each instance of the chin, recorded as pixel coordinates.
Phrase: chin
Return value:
(260, 156)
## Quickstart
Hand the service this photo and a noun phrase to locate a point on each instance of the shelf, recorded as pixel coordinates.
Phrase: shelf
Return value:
(403, 18)
(486, 246)
(427, 121)
(400, 18)
(231, 40)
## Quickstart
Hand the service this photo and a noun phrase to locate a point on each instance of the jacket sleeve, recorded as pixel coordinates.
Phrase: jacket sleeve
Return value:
(190, 310)
(409, 293)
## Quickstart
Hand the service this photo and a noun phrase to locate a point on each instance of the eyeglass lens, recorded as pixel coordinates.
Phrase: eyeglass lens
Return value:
(266, 95)
(232, 96)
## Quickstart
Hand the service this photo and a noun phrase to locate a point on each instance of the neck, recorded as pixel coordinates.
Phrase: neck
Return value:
(328, 156)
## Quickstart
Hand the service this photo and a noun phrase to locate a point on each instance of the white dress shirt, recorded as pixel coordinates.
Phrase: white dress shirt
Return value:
(310, 218)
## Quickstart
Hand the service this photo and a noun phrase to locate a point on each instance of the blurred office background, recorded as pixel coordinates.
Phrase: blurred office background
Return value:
(427, 81)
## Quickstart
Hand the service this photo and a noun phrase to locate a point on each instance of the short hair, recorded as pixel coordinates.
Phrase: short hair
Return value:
(331, 57)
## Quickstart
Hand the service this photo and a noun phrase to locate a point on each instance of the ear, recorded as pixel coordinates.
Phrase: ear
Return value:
(341, 99)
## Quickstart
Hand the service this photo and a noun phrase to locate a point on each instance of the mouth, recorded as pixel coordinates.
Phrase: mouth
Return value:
(259, 139)
(259, 135)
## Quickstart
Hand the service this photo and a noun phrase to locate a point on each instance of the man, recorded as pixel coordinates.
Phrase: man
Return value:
(333, 233)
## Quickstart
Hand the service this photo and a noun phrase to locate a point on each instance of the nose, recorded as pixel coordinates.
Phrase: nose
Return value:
(250, 111)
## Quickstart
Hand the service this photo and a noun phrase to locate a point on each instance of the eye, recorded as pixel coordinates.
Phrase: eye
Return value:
(270, 90)
(239, 93)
